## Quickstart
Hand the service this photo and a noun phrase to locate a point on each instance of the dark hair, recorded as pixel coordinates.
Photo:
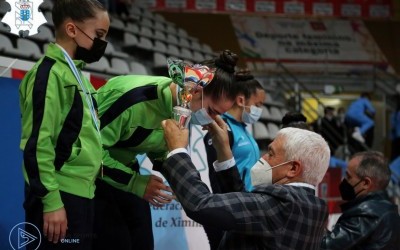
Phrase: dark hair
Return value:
(77, 10)
(223, 83)
(365, 94)
(294, 120)
(246, 84)
(328, 109)
(374, 165)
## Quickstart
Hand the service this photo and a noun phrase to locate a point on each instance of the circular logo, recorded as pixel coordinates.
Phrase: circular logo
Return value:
(24, 234)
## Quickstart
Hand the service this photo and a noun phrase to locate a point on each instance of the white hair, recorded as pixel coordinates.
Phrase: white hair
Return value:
(310, 149)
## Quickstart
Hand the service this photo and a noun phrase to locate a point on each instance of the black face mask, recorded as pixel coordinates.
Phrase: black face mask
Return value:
(347, 190)
(94, 53)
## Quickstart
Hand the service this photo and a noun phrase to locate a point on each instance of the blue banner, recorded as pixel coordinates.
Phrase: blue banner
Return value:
(11, 179)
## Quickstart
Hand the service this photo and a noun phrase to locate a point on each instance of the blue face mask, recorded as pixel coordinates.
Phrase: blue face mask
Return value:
(201, 117)
(253, 116)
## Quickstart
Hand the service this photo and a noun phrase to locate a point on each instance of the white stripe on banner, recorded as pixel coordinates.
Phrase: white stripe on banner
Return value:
(171, 227)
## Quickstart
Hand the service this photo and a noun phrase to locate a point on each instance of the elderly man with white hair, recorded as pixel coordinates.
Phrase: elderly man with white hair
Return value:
(282, 212)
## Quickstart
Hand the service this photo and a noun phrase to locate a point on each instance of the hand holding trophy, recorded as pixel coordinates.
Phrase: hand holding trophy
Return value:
(188, 78)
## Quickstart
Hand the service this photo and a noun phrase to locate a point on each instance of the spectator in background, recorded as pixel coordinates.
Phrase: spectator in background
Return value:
(246, 109)
(294, 120)
(131, 109)
(359, 114)
(60, 138)
(282, 212)
(341, 114)
(369, 220)
(395, 130)
(330, 129)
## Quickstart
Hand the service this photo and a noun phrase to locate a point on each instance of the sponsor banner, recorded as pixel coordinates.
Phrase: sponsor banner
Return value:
(310, 42)
(329, 8)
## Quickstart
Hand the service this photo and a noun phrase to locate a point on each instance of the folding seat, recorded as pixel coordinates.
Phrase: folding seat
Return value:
(117, 23)
(207, 49)
(260, 131)
(110, 51)
(7, 48)
(147, 22)
(146, 31)
(130, 39)
(4, 28)
(196, 46)
(173, 50)
(186, 54)
(184, 42)
(158, 34)
(273, 130)
(145, 43)
(49, 18)
(159, 17)
(29, 49)
(132, 28)
(182, 32)
(275, 114)
(159, 60)
(138, 68)
(159, 26)
(160, 47)
(100, 66)
(171, 28)
(118, 67)
(171, 38)
(45, 34)
(46, 5)
(198, 57)
(265, 114)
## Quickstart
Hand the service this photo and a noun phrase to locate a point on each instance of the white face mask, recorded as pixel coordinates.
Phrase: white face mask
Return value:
(253, 116)
(201, 117)
(261, 172)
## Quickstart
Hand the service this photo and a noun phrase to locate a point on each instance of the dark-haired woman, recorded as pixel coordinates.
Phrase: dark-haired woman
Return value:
(246, 110)
(60, 138)
(131, 109)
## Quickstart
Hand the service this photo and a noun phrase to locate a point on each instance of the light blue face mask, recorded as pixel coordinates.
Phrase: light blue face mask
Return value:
(201, 116)
(253, 116)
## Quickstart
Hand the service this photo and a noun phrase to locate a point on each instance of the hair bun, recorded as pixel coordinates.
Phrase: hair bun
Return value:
(293, 117)
(227, 61)
(243, 75)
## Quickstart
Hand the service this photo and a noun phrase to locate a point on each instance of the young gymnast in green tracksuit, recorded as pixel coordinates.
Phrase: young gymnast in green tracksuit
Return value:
(131, 109)
(62, 149)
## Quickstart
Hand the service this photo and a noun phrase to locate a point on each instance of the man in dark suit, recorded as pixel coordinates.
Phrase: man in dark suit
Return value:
(282, 212)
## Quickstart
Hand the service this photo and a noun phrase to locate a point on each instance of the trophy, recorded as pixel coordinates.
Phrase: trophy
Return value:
(188, 78)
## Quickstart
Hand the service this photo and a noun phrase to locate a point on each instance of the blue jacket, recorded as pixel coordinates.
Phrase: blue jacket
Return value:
(395, 124)
(359, 107)
(244, 148)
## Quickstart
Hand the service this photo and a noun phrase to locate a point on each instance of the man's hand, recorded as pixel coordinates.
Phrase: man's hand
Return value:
(219, 135)
(175, 135)
(154, 192)
(55, 225)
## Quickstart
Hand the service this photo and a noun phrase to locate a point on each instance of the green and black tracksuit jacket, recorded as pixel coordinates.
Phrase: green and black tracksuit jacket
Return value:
(62, 149)
(131, 109)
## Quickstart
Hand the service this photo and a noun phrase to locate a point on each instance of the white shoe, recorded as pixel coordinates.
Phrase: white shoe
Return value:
(358, 136)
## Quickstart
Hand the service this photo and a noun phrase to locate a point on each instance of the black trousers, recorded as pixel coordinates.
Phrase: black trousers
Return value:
(122, 220)
(80, 215)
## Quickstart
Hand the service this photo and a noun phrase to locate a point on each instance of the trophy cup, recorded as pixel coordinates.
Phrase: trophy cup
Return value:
(188, 78)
